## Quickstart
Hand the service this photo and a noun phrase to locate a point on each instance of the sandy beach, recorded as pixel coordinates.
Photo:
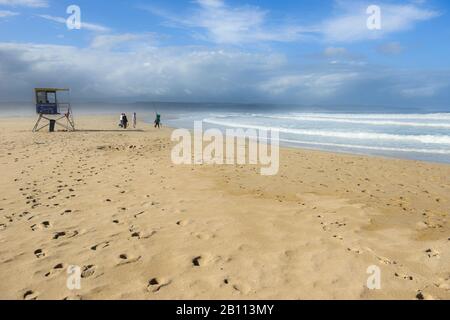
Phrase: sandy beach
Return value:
(140, 227)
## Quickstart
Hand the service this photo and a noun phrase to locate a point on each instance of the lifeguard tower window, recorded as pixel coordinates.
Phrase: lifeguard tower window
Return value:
(41, 97)
(51, 97)
(46, 102)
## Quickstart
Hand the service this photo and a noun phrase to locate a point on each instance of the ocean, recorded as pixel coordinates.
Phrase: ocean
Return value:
(413, 136)
(403, 133)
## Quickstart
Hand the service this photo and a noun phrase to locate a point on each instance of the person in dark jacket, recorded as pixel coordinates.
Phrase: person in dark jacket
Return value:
(158, 121)
(125, 121)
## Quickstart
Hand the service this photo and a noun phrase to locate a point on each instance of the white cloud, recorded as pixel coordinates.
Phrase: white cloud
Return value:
(317, 84)
(225, 24)
(188, 73)
(216, 21)
(25, 3)
(84, 25)
(108, 41)
(351, 24)
(147, 71)
(6, 14)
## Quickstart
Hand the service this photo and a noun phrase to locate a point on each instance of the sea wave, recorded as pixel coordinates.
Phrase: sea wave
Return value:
(362, 121)
(352, 146)
(426, 139)
(396, 116)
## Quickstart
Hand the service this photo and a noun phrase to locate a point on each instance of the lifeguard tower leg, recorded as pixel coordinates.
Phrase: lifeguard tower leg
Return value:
(37, 123)
(71, 121)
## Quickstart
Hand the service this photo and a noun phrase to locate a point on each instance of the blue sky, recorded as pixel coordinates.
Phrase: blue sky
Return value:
(297, 52)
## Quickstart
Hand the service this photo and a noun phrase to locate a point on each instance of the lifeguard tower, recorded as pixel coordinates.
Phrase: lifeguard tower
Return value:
(53, 106)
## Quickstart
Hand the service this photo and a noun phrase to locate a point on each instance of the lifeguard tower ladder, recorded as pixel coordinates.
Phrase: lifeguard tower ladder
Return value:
(51, 107)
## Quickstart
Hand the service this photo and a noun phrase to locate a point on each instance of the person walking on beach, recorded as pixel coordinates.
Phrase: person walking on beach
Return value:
(158, 121)
(121, 120)
(125, 121)
(134, 120)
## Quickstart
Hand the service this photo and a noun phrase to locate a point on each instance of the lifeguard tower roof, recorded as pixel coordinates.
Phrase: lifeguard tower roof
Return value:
(51, 89)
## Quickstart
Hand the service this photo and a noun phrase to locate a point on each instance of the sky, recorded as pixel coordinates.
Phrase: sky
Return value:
(294, 52)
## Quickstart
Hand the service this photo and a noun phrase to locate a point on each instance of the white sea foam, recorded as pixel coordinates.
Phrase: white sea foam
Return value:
(362, 121)
(416, 116)
(351, 146)
(426, 139)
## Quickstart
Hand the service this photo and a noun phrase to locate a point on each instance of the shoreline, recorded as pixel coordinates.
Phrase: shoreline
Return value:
(282, 145)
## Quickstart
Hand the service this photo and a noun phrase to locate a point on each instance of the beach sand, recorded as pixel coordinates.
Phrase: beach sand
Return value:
(140, 227)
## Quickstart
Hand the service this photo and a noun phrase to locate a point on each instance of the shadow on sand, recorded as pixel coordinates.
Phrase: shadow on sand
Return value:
(111, 130)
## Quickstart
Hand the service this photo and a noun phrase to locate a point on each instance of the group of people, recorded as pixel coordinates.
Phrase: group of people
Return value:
(123, 122)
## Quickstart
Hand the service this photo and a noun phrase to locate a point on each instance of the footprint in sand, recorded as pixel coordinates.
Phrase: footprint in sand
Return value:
(136, 234)
(66, 212)
(196, 261)
(39, 253)
(156, 284)
(432, 253)
(386, 261)
(183, 223)
(101, 245)
(43, 225)
(404, 276)
(30, 295)
(57, 268)
(140, 235)
(204, 260)
(125, 259)
(73, 298)
(59, 235)
(420, 296)
(88, 271)
(423, 296)
(338, 237)
(354, 250)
